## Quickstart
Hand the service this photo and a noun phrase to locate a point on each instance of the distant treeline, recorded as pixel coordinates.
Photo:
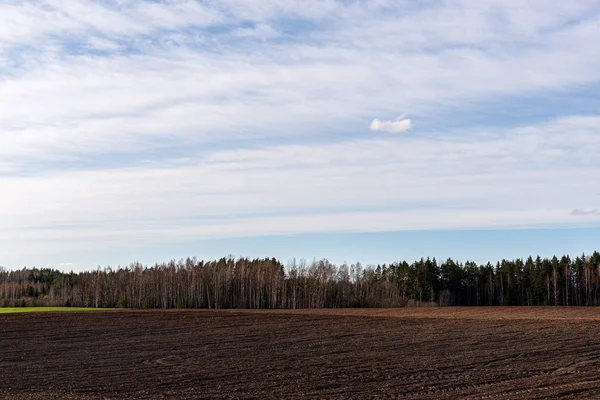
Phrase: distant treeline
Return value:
(267, 283)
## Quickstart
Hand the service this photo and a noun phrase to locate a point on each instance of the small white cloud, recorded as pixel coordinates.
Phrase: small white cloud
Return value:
(584, 212)
(101, 44)
(260, 31)
(398, 125)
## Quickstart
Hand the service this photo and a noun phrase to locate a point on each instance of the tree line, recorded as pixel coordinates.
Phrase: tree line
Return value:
(269, 284)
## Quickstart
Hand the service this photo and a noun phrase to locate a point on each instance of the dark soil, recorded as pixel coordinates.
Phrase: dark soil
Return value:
(244, 354)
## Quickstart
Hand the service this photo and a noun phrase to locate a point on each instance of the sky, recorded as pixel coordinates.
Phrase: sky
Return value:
(371, 131)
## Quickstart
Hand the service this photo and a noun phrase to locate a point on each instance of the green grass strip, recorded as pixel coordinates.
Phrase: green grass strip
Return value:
(12, 310)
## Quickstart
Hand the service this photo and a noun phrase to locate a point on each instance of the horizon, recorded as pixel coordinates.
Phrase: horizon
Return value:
(546, 243)
(352, 131)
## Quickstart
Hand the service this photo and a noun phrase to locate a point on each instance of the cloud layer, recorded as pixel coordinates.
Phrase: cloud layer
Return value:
(149, 122)
(78, 77)
(581, 212)
(485, 179)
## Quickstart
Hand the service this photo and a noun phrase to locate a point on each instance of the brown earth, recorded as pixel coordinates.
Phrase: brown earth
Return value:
(452, 353)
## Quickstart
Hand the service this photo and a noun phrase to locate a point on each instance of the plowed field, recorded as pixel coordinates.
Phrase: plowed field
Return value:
(474, 353)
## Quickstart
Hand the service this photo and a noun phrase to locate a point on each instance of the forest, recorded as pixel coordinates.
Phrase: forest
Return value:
(269, 284)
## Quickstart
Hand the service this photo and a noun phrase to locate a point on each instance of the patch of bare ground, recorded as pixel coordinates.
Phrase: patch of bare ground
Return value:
(470, 313)
(433, 353)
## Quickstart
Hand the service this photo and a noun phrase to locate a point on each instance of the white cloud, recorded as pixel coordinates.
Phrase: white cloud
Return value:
(398, 125)
(178, 74)
(585, 212)
(54, 102)
(97, 43)
(491, 178)
(260, 31)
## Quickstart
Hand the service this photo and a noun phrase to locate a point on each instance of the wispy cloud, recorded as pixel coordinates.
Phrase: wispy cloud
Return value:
(102, 44)
(260, 31)
(248, 118)
(179, 80)
(490, 178)
(398, 125)
(585, 212)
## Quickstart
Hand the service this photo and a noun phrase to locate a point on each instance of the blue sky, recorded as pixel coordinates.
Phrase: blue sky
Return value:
(354, 130)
